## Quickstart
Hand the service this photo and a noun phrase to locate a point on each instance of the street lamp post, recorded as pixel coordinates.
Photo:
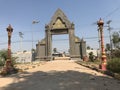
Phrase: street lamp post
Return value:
(34, 22)
(100, 24)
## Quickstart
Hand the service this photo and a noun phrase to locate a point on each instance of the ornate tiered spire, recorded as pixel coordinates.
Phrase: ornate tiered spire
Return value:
(59, 17)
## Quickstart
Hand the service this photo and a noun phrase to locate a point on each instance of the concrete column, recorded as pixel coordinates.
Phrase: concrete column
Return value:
(83, 48)
(48, 43)
(72, 41)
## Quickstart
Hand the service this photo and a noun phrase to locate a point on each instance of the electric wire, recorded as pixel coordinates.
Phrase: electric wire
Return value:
(112, 12)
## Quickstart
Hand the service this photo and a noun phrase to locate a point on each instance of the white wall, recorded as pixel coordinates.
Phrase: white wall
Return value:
(95, 52)
(23, 57)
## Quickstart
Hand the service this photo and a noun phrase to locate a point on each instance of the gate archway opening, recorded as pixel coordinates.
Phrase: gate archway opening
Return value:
(61, 43)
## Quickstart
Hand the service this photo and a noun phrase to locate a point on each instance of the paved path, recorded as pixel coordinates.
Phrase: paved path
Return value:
(59, 75)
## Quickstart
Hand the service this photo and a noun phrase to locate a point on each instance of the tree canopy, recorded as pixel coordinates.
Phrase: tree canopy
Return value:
(116, 39)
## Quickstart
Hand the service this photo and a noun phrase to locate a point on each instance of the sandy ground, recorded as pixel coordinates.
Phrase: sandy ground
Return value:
(59, 75)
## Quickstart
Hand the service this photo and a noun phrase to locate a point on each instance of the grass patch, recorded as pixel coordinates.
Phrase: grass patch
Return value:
(114, 65)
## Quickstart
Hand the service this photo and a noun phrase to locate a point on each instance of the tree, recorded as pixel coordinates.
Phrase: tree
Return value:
(91, 56)
(116, 53)
(54, 50)
(88, 48)
(108, 47)
(3, 56)
(116, 39)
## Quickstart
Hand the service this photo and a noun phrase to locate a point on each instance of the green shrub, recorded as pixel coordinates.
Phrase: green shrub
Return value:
(114, 65)
(1, 62)
(3, 57)
(116, 53)
(91, 56)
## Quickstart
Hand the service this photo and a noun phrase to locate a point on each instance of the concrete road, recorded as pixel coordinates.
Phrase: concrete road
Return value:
(59, 75)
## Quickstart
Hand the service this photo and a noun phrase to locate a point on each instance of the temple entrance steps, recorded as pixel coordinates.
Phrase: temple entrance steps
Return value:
(61, 58)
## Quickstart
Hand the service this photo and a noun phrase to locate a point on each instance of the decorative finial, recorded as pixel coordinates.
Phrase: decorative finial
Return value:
(100, 22)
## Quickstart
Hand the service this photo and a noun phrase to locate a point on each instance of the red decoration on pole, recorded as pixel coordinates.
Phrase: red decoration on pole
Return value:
(100, 24)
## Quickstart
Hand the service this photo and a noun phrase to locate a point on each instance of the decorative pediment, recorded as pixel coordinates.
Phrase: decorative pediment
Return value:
(59, 20)
(58, 24)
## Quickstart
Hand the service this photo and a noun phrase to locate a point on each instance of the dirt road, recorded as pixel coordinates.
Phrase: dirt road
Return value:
(59, 75)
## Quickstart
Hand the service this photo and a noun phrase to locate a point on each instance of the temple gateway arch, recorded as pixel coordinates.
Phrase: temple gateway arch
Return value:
(60, 24)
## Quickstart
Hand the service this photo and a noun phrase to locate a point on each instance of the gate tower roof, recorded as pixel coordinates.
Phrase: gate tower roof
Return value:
(59, 14)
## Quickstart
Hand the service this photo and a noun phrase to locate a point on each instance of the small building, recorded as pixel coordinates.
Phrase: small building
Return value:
(23, 57)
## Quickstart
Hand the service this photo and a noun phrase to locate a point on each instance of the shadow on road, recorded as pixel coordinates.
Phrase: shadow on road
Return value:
(61, 80)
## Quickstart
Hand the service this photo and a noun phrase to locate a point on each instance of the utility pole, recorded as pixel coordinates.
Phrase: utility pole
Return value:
(109, 29)
(21, 37)
(21, 51)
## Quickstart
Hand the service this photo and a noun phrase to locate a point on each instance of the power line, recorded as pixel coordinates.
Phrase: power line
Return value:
(52, 40)
(16, 33)
(18, 41)
(109, 14)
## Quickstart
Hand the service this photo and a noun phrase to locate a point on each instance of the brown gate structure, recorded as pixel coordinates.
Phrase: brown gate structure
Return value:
(60, 24)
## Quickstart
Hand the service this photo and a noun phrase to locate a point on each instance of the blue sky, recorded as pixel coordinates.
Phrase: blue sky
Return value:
(83, 13)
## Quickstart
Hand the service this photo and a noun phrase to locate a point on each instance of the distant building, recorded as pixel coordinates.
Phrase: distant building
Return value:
(23, 57)
(95, 52)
